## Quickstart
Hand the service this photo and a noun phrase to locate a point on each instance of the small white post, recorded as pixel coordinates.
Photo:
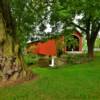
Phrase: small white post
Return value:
(52, 61)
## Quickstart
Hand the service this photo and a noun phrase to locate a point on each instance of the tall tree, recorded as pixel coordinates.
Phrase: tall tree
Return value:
(89, 23)
(11, 63)
(28, 15)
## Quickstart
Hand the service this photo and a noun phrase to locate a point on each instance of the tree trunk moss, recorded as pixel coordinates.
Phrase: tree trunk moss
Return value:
(11, 63)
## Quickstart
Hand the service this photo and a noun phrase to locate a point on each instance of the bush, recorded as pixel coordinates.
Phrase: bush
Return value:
(30, 59)
(97, 43)
(76, 58)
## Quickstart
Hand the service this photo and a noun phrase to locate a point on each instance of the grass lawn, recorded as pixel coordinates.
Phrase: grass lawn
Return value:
(73, 82)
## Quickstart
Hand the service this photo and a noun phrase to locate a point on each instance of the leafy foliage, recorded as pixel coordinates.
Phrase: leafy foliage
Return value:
(28, 15)
(89, 23)
(76, 58)
(30, 59)
(97, 43)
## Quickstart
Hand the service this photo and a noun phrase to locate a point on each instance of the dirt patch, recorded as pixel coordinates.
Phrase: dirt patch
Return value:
(18, 81)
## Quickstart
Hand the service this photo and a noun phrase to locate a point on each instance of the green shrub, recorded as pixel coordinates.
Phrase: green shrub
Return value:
(30, 59)
(76, 58)
(97, 43)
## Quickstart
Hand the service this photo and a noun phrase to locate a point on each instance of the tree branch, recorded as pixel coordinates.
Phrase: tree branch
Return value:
(78, 26)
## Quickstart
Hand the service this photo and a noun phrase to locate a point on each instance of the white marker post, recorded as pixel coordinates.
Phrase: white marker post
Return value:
(52, 61)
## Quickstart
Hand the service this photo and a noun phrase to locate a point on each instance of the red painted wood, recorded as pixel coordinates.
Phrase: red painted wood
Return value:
(47, 48)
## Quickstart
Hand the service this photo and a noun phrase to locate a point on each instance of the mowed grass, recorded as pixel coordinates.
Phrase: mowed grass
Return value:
(73, 82)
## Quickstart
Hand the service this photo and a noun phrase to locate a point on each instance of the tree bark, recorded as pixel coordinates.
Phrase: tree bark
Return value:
(91, 37)
(11, 62)
(90, 49)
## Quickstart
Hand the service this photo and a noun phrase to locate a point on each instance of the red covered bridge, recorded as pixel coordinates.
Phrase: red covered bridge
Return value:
(50, 47)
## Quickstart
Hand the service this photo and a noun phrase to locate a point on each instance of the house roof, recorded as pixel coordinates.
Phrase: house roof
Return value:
(42, 37)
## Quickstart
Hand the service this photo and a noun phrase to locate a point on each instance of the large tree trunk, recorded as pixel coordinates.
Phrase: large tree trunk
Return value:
(90, 43)
(90, 49)
(11, 63)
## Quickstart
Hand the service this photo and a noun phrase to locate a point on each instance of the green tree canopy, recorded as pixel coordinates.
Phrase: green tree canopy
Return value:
(89, 23)
(28, 14)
